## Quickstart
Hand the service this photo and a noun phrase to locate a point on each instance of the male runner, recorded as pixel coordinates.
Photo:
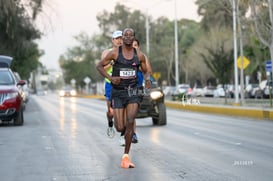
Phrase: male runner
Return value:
(125, 100)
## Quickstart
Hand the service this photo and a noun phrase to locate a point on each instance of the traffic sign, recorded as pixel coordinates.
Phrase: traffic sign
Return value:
(156, 75)
(73, 81)
(87, 80)
(268, 66)
(244, 64)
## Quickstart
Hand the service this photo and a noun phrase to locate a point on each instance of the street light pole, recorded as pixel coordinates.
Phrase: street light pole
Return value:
(235, 52)
(241, 55)
(147, 33)
(176, 47)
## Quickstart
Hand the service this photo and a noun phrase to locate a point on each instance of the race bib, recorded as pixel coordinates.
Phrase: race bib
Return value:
(127, 72)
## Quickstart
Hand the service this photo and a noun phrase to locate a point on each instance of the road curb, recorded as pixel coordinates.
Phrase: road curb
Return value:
(258, 113)
(92, 96)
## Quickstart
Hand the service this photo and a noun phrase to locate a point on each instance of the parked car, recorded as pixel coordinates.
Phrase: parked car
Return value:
(198, 91)
(11, 98)
(219, 91)
(266, 90)
(259, 91)
(182, 92)
(209, 91)
(67, 91)
(26, 92)
(185, 88)
(24, 89)
(250, 90)
(41, 91)
(153, 105)
(169, 90)
(230, 90)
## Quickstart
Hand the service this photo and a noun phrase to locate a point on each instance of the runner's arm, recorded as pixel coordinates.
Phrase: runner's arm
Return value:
(144, 70)
(148, 65)
(106, 58)
(105, 61)
(103, 55)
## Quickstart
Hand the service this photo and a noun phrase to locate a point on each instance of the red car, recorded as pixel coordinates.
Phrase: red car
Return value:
(11, 100)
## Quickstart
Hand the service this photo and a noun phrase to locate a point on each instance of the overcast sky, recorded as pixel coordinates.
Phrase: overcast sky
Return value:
(63, 19)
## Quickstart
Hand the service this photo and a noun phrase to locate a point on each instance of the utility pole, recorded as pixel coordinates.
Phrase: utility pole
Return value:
(147, 33)
(176, 47)
(241, 56)
(235, 52)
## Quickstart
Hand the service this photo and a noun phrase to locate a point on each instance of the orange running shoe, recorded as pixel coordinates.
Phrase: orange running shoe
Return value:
(126, 163)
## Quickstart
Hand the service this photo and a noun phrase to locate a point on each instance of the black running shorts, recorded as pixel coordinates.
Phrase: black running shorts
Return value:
(121, 98)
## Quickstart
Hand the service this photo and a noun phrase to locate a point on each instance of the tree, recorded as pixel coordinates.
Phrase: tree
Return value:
(161, 37)
(161, 53)
(120, 19)
(215, 50)
(189, 32)
(18, 32)
(262, 16)
(215, 13)
(79, 61)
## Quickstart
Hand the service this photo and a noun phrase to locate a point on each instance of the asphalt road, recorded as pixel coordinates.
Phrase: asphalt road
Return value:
(65, 139)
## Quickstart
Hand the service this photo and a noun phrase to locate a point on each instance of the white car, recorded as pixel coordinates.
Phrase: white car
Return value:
(67, 91)
(209, 91)
(266, 89)
(184, 89)
(198, 91)
(219, 91)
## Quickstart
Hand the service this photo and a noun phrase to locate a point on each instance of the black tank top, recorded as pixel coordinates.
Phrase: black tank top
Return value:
(127, 70)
